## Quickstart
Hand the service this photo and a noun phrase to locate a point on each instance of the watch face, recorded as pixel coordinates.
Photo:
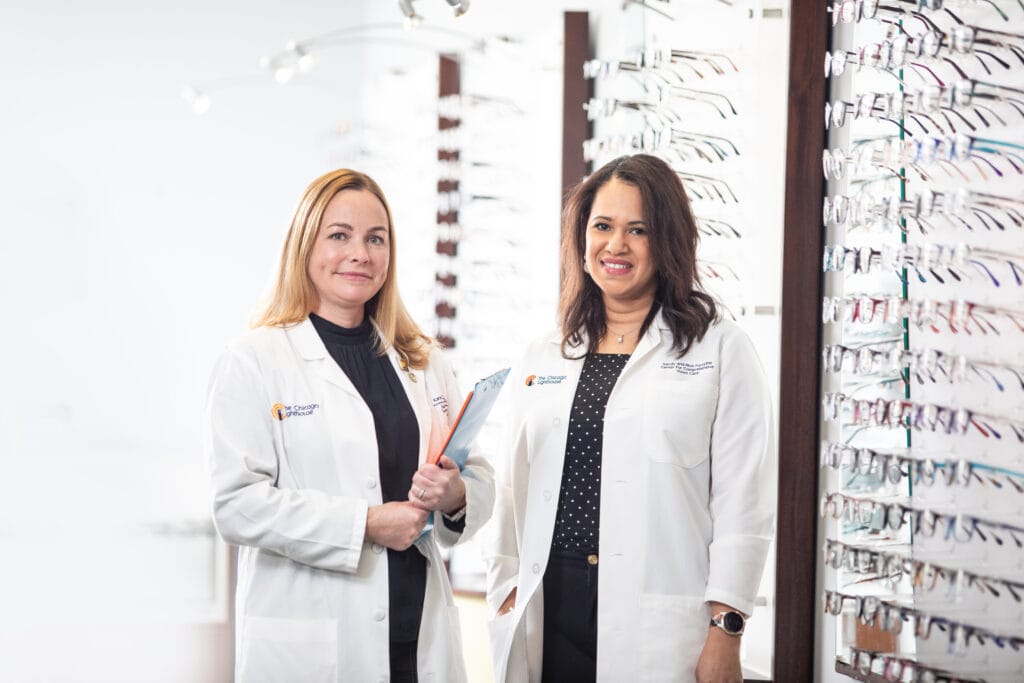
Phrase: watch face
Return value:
(732, 622)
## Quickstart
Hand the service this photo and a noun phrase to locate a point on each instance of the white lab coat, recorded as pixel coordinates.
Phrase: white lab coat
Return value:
(687, 501)
(312, 595)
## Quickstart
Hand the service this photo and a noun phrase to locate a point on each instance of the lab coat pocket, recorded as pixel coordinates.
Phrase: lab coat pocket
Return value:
(504, 655)
(673, 629)
(284, 650)
(677, 421)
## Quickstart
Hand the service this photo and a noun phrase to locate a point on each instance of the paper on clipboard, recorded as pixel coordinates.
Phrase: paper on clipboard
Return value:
(471, 419)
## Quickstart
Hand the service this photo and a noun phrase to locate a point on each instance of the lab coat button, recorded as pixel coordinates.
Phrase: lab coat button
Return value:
(377, 548)
(557, 421)
(536, 568)
(371, 483)
(379, 615)
(547, 495)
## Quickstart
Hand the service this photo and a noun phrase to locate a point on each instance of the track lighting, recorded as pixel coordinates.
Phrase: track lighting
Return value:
(412, 19)
(303, 57)
(283, 73)
(299, 56)
(460, 7)
(197, 99)
(282, 70)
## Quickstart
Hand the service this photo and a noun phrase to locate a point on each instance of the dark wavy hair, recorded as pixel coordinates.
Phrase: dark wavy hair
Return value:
(672, 233)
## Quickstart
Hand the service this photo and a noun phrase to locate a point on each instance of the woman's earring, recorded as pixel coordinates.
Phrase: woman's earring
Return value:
(585, 268)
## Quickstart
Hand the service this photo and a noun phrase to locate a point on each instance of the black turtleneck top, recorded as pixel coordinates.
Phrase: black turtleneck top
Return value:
(398, 446)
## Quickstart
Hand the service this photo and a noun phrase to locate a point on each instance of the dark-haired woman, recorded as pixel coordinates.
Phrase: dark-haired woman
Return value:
(635, 508)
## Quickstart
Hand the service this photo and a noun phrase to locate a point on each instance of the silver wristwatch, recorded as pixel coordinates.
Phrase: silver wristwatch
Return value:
(732, 623)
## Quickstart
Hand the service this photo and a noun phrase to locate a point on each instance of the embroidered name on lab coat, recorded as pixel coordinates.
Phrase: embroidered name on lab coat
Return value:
(440, 402)
(280, 411)
(688, 368)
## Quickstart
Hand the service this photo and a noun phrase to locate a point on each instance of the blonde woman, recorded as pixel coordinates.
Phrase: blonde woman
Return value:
(318, 425)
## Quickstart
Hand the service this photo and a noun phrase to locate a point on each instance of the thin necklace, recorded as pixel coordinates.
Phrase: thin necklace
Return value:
(618, 337)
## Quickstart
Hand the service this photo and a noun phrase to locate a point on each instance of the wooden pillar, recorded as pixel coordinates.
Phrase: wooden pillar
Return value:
(576, 91)
(796, 543)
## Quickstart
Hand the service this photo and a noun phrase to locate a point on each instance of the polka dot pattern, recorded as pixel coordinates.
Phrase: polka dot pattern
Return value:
(579, 502)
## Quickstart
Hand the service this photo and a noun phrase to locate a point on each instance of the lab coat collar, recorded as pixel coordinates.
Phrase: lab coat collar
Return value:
(311, 348)
(306, 341)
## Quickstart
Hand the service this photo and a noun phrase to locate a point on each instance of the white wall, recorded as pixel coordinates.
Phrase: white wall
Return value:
(136, 238)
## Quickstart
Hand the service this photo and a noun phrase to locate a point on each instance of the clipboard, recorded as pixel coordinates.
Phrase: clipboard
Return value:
(471, 418)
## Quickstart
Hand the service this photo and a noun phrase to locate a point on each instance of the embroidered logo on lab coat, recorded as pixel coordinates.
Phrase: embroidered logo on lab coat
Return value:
(535, 380)
(280, 411)
(688, 368)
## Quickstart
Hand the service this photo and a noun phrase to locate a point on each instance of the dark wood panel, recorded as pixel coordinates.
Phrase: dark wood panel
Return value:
(795, 632)
(576, 90)
(449, 83)
(449, 76)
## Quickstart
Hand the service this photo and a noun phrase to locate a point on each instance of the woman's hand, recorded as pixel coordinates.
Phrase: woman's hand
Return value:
(720, 659)
(438, 488)
(509, 604)
(395, 525)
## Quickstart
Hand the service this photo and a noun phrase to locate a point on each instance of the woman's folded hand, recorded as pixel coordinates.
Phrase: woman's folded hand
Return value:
(438, 487)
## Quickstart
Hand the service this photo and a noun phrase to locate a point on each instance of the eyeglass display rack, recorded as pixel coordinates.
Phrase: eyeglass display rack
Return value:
(922, 459)
(497, 240)
(703, 86)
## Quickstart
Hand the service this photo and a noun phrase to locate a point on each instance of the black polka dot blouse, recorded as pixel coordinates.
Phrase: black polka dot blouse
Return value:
(579, 502)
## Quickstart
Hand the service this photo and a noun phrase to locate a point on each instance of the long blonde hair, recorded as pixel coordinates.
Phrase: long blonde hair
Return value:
(294, 296)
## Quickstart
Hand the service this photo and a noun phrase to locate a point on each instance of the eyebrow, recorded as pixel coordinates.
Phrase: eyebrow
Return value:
(609, 218)
(346, 226)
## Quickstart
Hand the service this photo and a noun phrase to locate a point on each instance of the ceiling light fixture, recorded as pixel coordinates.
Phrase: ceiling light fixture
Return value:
(460, 6)
(303, 57)
(197, 99)
(412, 20)
(282, 70)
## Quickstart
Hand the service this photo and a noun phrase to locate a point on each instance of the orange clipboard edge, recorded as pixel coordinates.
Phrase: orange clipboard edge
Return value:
(436, 458)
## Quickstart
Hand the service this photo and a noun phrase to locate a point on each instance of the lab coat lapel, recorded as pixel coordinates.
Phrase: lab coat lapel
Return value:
(415, 384)
(649, 342)
(311, 348)
(560, 403)
(547, 463)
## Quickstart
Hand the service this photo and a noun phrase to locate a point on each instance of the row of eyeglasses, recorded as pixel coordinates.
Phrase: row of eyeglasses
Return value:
(890, 615)
(947, 153)
(919, 363)
(960, 262)
(894, 668)
(896, 465)
(919, 416)
(955, 316)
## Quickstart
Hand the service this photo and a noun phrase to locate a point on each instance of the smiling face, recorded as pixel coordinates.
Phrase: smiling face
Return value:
(349, 260)
(617, 248)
